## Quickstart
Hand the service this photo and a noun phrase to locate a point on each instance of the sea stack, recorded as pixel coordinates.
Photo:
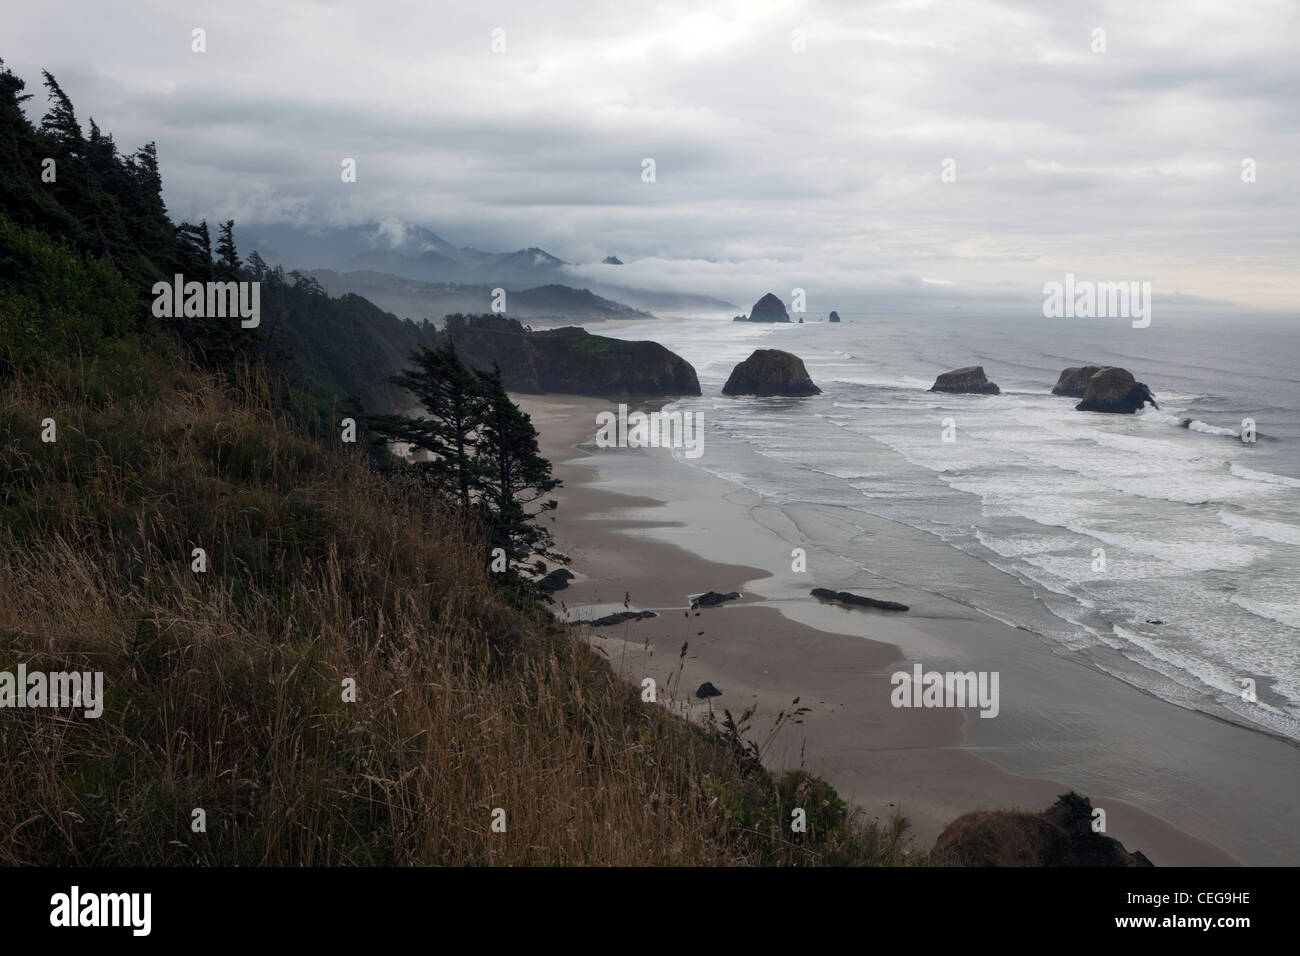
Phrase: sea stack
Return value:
(770, 372)
(1115, 390)
(970, 379)
(767, 309)
(835, 316)
(1074, 381)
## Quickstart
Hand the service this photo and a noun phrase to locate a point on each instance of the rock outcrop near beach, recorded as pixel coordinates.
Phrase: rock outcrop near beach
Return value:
(767, 309)
(611, 619)
(770, 372)
(557, 580)
(835, 316)
(856, 600)
(970, 380)
(1115, 390)
(568, 360)
(714, 598)
(1074, 381)
(1059, 836)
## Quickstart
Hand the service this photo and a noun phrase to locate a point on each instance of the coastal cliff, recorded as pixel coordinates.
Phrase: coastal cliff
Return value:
(569, 360)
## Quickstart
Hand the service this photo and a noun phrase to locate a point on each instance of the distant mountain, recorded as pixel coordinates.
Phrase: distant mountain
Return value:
(682, 303)
(420, 255)
(433, 300)
(400, 249)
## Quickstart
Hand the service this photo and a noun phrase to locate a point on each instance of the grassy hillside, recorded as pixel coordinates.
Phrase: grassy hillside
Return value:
(225, 689)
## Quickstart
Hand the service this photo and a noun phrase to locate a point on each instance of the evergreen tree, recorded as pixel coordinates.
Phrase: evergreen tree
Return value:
(454, 407)
(257, 267)
(516, 476)
(228, 264)
(60, 122)
(196, 250)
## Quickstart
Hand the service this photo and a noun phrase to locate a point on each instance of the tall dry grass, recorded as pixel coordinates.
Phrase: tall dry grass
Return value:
(224, 690)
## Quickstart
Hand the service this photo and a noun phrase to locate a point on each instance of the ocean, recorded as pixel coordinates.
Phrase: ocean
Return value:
(1200, 590)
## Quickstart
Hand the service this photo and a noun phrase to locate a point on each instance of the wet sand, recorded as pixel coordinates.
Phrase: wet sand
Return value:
(644, 527)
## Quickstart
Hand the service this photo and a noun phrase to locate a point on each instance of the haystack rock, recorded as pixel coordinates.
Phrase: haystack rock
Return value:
(1115, 390)
(1074, 381)
(767, 309)
(770, 372)
(970, 379)
(835, 316)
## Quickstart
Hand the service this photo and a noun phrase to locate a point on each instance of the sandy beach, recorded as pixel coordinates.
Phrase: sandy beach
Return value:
(644, 527)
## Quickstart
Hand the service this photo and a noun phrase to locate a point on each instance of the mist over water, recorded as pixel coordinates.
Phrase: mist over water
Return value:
(1201, 531)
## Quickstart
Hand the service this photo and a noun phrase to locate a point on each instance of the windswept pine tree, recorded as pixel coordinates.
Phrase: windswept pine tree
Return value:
(454, 407)
(228, 264)
(516, 477)
(483, 455)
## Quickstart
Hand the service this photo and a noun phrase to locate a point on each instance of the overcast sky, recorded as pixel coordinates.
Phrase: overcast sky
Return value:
(821, 167)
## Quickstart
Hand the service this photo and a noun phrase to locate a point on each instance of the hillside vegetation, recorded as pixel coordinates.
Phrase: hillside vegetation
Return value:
(337, 678)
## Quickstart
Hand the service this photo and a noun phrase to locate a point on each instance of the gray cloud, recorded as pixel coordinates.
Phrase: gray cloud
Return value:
(770, 163)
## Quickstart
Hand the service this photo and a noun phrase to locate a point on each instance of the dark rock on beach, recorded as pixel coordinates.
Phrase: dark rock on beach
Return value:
(611, 619)
(707, 690)
(557, 580)
(770, 372)
(969, 380)
(856, 600)
(1115, 390)
(1074, 381)
(713, 598)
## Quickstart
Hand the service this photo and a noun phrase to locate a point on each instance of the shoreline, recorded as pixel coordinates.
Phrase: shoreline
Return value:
(770, 646)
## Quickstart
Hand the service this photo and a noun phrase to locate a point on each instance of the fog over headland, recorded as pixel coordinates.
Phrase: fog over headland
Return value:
(774, 168)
